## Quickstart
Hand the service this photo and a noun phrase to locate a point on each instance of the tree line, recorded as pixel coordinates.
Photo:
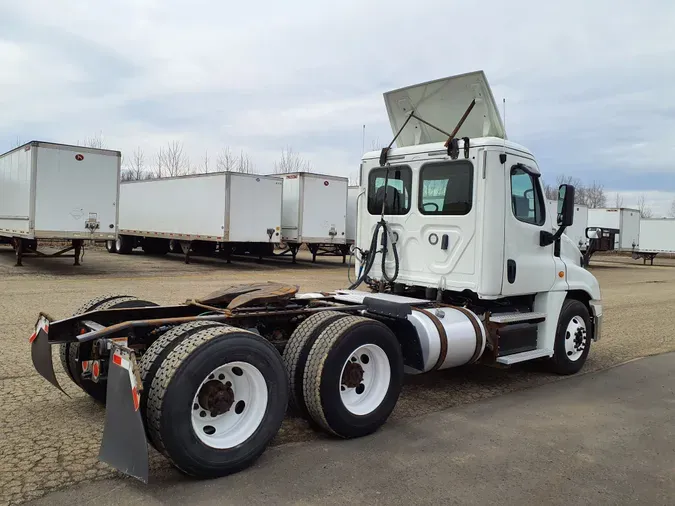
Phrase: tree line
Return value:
(594, 196)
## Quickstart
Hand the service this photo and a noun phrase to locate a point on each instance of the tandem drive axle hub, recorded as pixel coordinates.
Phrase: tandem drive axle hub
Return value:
(216, 397)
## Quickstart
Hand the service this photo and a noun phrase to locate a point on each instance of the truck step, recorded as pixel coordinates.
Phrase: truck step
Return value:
(517, 317)
(524, 357)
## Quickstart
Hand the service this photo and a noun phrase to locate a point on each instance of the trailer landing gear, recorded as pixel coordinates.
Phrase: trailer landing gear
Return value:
(25, 247)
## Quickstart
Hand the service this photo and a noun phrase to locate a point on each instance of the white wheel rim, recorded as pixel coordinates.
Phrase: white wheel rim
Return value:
(575, 338)
(372, 389)
(118, 244)
(246, 413)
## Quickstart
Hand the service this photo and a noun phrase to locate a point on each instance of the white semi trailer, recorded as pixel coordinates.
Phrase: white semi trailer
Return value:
(315, 213)
(455, 242)
(235, 212)
(657, 235)
(52, 191)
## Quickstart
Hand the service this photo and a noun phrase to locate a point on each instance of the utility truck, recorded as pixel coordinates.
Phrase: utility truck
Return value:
(57, 192)
(457, 264)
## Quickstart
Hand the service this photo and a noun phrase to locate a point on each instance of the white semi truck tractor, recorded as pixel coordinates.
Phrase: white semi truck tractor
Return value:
(458, 262)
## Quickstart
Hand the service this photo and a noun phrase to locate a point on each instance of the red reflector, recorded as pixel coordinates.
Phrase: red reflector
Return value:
(117, 360)
(95, 369)
(137, 398)
(33, 337)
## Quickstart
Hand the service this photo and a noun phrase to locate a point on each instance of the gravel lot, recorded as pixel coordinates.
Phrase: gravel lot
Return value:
(49, 441)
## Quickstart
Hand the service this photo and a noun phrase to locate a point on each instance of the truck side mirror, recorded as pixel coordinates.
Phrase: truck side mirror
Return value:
(565, 205)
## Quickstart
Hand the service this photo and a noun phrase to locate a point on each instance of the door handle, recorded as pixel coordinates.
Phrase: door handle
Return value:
(511, 271)
(444, 241)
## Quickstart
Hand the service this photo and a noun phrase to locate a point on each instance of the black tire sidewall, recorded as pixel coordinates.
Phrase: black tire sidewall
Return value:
(562, 364)
(302, 361)
(339, 418)
(186, 450)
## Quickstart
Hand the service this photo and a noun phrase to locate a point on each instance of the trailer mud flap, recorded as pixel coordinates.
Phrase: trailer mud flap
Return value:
(41, 352)
(124, 446)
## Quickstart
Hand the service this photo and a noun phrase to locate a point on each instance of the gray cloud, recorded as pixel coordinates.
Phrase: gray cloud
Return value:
(588, 85)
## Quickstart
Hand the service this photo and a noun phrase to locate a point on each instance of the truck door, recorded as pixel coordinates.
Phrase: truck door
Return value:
(529, 268)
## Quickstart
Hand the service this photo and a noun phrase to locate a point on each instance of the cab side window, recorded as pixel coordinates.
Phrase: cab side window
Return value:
(527, 201)
(396, 192)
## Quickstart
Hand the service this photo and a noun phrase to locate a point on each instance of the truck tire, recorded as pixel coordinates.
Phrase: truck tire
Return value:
(64, 348)
(296, 352)
(124, 244)
(572, 338)
(157, 352)
(353, 376)
(111, 246)
(217, 401)
(98, 390)
(174, 246)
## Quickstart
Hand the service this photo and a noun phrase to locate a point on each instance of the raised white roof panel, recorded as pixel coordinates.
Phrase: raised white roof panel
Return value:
(442, 103)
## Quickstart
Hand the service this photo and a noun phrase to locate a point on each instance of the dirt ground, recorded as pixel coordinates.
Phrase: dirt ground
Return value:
(49, 441)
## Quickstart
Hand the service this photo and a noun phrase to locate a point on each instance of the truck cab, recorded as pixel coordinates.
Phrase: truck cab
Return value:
(467, 213)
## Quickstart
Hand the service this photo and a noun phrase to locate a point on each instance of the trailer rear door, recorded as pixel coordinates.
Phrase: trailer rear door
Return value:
(74, 185)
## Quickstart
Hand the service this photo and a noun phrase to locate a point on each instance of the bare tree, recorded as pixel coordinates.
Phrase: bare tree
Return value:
(244, 164)
(172, 160)
(618, 201)
(206, 162)
(16, 143)
(291, 162)
(375, 144)
(645, 210)
(93, 142)
(672, 209)
(135, 169)
(594, 196)
(226, 161)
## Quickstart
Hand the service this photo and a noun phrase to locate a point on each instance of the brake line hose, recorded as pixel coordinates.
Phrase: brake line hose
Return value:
(370, 254)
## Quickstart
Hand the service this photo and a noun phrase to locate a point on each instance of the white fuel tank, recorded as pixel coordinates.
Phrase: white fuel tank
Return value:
(449, 336)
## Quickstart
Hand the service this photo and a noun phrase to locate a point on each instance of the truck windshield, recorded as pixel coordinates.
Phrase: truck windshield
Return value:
(398, 189)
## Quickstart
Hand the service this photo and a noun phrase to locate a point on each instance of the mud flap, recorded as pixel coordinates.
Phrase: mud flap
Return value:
(124, 446)
(41, 352)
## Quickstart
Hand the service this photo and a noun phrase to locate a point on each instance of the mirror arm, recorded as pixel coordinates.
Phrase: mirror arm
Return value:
(547, 238)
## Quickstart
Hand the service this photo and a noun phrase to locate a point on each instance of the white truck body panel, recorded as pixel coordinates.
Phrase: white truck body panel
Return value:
(219, 207)
(657, 236)
(577, 232)
(51, 191)
(625, 220)
(352, 213)
(314, 208)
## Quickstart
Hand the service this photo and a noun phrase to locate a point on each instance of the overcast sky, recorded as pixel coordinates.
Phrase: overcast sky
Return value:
(589, 85)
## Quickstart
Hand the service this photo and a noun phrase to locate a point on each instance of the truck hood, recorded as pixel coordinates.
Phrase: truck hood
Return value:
(442, 103)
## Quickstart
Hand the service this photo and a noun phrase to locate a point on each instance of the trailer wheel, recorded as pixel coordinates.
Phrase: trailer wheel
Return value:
(353, 377)
(297, 350)
(111, 246)
(573, 338)
(174, 246)
(157, 352)
(98, 390)
(124, 244)
(217, 400)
